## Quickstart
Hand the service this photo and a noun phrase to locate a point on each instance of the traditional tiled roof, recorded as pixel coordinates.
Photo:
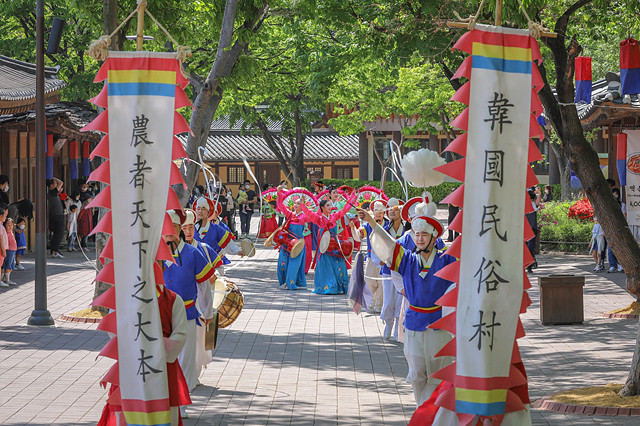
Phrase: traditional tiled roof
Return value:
(18, 85)
(64, 118)
(320, 145)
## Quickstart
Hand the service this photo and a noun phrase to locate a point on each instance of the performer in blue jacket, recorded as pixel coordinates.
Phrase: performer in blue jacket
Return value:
(422, 289)
(190, 270)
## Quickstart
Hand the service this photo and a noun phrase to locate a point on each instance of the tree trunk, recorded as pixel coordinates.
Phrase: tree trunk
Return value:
(585, 163)
(565, 172)
(109, 24)
(210, 94)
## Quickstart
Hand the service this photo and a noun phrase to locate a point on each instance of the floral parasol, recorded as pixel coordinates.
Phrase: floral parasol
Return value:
(290, 197)
(367, 194)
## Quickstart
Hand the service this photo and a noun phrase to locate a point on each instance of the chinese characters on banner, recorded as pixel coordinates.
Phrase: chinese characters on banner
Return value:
(632, 167)
(141, 97)
(500, 121)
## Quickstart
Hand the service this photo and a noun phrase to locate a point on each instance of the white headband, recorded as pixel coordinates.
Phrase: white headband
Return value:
(421, 225)
(202, 202)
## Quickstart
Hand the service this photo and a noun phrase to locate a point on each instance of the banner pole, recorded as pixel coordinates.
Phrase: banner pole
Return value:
(139, 34)
(498, 12)
(40, 314)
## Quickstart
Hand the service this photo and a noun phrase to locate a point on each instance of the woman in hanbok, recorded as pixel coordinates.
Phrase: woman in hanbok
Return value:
(331, 275)
(292, 270)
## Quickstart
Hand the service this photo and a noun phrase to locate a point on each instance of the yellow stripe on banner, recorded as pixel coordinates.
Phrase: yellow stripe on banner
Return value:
(155, 418)
(142, 76)
(502, 52)
(204, 272)
(481, 396)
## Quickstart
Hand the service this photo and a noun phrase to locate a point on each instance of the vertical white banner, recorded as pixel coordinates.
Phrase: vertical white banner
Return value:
(491, 268)
(141, 96)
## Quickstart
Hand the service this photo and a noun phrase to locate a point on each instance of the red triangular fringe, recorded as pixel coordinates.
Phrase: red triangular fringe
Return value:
(109, 323)
(105, 225)
(106, 299)
(102, 149)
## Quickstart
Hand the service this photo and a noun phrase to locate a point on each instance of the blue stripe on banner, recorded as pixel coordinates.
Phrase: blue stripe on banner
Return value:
(630, 81)
(583, 91)
(141, 89)
(490, 409)
(49, 167)
(73, 168)
(86, 167)
(622, 171)
(498, 64)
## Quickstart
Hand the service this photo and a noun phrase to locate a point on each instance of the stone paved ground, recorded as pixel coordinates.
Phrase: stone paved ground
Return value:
(291, 357)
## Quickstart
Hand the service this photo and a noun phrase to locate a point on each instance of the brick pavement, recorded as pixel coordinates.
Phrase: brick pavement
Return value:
(291, 357)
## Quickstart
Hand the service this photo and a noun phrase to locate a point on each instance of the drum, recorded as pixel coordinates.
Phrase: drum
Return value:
(297, 248)
(231, 305)
(343, 246)
(282, 237)
(324, 241)
(248, 248)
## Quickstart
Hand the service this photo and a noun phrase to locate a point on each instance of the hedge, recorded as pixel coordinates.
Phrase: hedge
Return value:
(560, 232)
(392, 188)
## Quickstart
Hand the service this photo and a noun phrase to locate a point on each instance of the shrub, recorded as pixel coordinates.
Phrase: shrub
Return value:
(560, 231)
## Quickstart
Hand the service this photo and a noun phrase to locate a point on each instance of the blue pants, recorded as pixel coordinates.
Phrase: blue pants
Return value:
(613, 262)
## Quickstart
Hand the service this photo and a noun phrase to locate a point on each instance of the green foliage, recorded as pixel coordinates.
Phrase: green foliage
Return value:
(559, 232)
(392, 188)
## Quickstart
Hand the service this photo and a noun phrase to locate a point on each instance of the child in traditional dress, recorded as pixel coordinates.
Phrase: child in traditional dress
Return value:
(21, 242)
(72, 228)
(10, 259)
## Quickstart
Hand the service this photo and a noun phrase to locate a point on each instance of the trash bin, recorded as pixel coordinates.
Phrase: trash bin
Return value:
(561, 299)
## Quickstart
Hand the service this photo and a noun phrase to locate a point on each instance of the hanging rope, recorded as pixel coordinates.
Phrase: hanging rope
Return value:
(472, 19)
(99, 49)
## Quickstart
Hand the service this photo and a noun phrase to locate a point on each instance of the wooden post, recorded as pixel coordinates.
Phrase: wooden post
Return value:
(140, 32)
(498, 12)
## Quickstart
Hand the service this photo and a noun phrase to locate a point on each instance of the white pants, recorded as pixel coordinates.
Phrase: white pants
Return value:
(403, 313)
(203, 356)
(392, 300)
(187, 357)
(446, 417)
(375, 285)
(420, 348)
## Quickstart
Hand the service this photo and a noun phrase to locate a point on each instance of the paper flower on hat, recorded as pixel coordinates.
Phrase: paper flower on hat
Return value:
(419, 206)
(367, 194)
(418, 168)
(175, 216)
(394, 202)
(291, 196)
(378, 206)
(189, 217)
(348, 190)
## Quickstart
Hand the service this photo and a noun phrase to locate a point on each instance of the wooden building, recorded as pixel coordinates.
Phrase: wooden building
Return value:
(17, 129)
(326, 154)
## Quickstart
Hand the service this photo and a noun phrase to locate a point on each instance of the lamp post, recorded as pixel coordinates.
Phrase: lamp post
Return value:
(40, 315)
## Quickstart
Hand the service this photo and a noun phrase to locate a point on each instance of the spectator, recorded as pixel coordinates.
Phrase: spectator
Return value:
(597, 244)
(85, 224)
(56, 216)
(548, 196)
(72, 228)
(21, 241)
(4, 189)
(85, 192)
(4, 240)
(228, 209)
(10, 260)
(613, 261)
(248, 197)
